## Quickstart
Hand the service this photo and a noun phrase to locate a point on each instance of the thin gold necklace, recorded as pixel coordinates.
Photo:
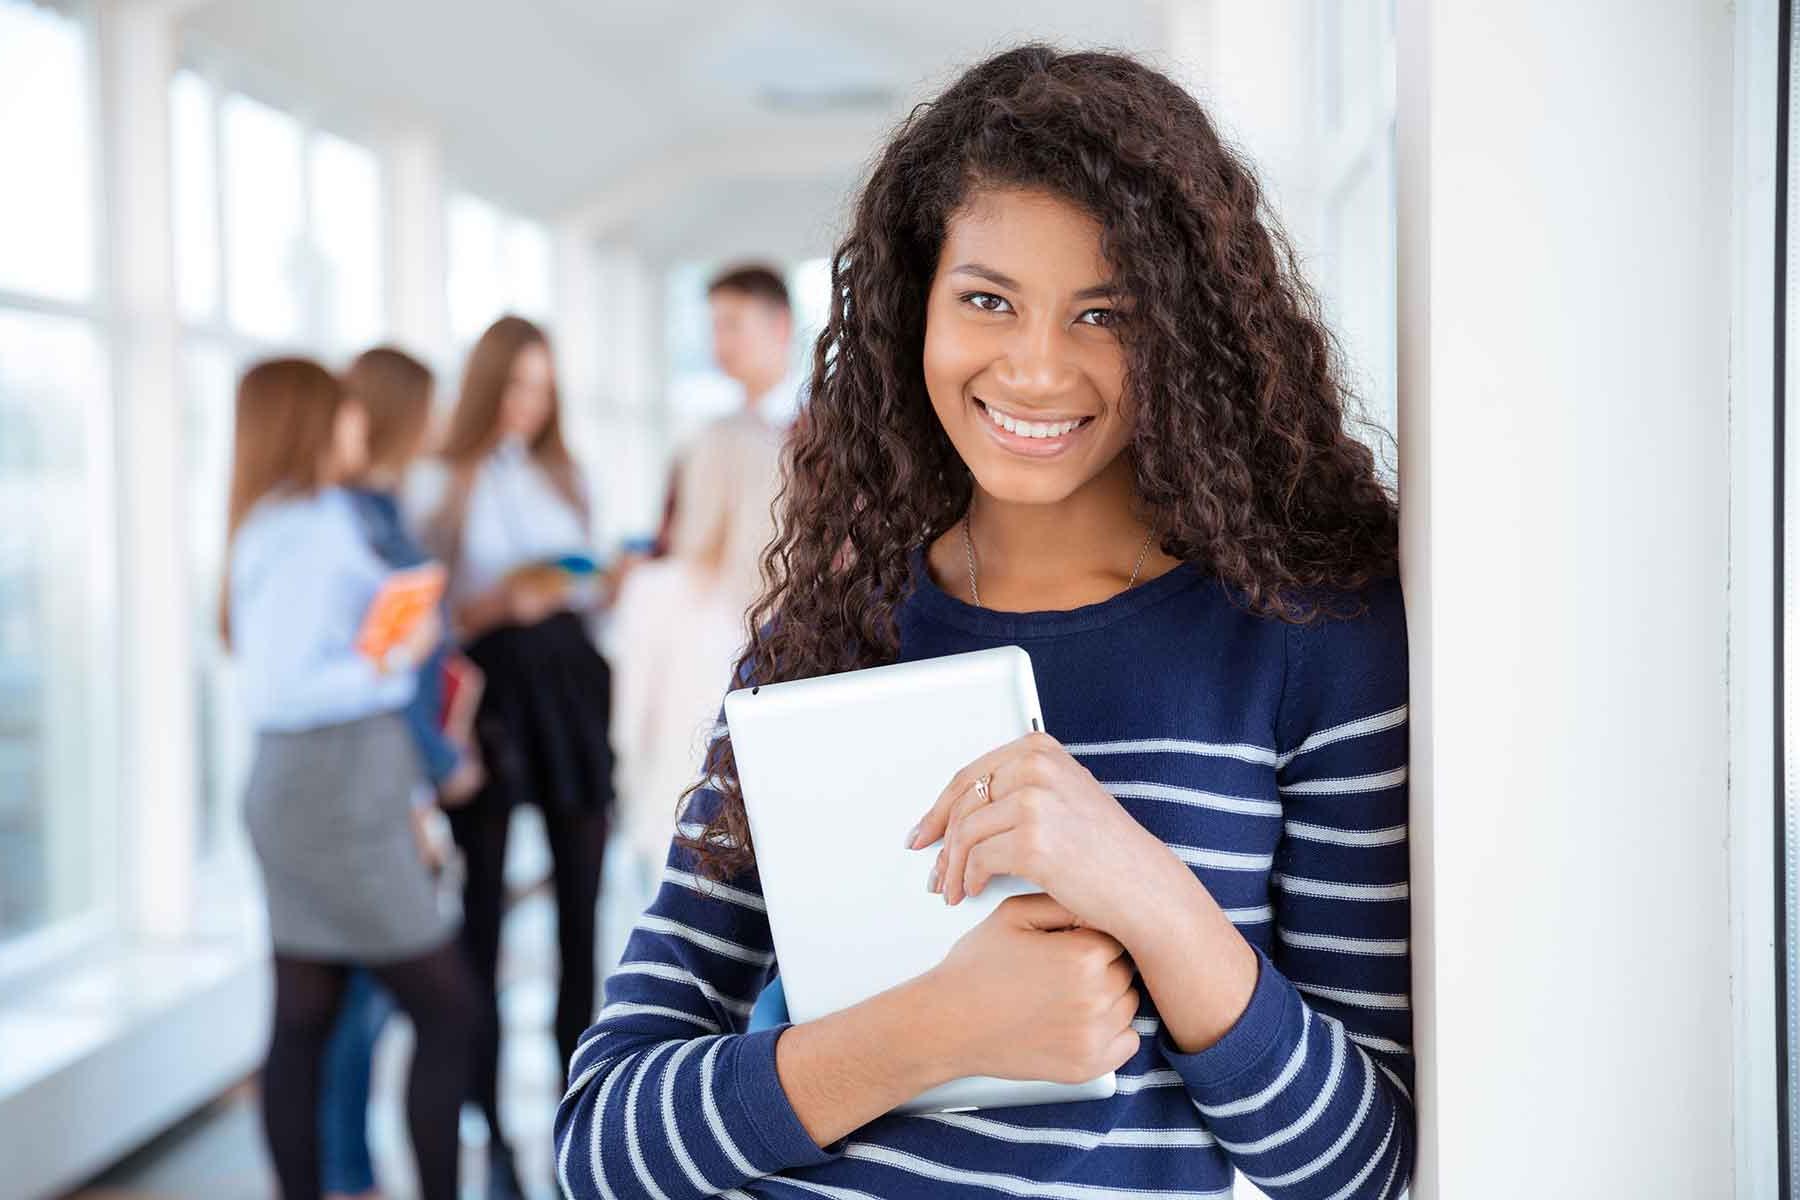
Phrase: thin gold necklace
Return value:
(975, 589)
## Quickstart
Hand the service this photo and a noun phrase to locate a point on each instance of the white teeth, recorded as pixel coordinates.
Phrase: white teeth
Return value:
(1031, 429)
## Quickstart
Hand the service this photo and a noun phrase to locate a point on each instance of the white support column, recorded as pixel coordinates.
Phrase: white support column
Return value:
(631, 425)
(418, 305)
(1565, 299)
(158, 779)
(578, 323)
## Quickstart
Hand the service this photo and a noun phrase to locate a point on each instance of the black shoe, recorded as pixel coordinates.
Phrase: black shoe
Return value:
(503, 1177)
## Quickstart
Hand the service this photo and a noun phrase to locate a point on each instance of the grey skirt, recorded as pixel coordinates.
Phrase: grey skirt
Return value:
(329, 817)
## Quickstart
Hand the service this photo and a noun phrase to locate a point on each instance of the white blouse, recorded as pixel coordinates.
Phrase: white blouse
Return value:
(516, 517)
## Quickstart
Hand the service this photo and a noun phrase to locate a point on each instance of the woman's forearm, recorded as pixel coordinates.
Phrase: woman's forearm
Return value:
(842, 1071)
(1194, 963)
(482, 612)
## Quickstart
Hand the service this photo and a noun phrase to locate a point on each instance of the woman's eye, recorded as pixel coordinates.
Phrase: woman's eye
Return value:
(986, 301)
(1096, 316)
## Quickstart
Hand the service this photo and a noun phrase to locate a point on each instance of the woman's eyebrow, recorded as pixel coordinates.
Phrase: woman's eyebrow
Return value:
(1098, 291)
(987, 273)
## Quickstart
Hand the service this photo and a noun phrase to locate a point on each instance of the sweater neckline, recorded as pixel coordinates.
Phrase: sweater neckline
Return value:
(940, 605)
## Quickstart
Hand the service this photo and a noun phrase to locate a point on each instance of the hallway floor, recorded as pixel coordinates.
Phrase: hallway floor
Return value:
(218, 1152)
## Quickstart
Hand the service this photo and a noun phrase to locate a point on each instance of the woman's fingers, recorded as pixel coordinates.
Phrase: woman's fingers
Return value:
(936, 820)
(995, 854)
(961, 835)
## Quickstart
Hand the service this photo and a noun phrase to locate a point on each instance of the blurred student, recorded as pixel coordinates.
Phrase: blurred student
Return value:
(507, 512)
(329, 799)
(677, 630)
(393, 389)
(753, 334)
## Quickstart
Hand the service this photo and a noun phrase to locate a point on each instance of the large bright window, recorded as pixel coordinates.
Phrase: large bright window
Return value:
(278, 249)
(47, 225)
(55, 611)
(497, 264)
(56, 546)
(265, 254)
(194, 153)
(346, 240)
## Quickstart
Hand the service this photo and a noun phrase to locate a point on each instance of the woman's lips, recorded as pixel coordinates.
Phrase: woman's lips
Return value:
(1032, 447)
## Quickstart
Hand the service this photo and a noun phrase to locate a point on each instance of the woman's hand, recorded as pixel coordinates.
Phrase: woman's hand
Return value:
(1042, 816)
(1033, 996)
(417, 646)
(530, 600)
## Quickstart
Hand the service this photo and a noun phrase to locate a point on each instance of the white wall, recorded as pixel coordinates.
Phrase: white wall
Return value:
(1565, 295)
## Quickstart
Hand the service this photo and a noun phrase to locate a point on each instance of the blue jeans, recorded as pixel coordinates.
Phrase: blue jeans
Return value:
(345, 1164)
(437, 752)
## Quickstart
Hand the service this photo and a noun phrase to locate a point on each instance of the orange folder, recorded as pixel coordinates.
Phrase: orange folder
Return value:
(406, 598)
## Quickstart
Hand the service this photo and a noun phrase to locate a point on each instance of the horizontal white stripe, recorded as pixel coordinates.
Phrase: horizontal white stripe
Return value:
(1306, 1119)
(1342, 945)
(1261, 914)
(597, 1160)
(1147, 1026)
(715, 1124)
(1222, 860)
(634, 1148)
(704, 940)
(1366, 1042)
(1192, 797)
(678, 974)
(1379, 1044)
(1349, 729)
(1332, 890)
(1132, 1084)
(671, 1126)
(1359, 999)
(1349, 1189)
(1289, 1069)
(1330, 1153)
(825, 1189)
(1011, 1184)
(622, 1009)
(716, 891)
(581, 1080)
(1238, 750)
(1392, 835)
(1380, 781)
(1389, 1181)
(1395, 1080)
(1085, 1139)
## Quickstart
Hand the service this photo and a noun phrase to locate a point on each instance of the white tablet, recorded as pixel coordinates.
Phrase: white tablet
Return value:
(835, 772)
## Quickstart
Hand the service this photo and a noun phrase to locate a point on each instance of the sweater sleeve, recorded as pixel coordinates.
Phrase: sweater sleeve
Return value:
(668, 1096)
(1309, 1093)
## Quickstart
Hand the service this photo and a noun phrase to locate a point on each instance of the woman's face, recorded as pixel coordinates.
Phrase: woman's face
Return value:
(530, 393)
(349, 442)
(1024, 368)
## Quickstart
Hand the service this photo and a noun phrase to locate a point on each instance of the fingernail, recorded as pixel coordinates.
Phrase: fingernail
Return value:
(931, 885)
(912, 838)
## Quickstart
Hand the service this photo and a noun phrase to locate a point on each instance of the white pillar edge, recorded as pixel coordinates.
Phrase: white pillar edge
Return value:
(158, 782)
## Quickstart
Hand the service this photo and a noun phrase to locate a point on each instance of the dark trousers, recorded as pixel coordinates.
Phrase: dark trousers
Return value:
(577, 845)
(542, 727)
(434, 991)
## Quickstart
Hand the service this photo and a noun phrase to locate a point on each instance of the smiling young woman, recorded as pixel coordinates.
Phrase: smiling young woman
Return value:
(1072, 395)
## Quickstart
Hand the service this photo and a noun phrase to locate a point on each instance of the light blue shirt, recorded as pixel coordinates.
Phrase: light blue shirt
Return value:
(302, 578)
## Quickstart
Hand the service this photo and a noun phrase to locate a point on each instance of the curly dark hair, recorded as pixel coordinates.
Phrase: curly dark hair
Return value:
(1241, 455)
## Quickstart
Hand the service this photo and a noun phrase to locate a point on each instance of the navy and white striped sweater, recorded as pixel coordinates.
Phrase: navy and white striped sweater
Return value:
(1271, 758)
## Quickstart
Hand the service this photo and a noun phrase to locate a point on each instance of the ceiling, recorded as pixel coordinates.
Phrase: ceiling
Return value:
(687, 125)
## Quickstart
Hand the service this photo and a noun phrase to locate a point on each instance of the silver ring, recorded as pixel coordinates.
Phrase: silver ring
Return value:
(981, 789)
